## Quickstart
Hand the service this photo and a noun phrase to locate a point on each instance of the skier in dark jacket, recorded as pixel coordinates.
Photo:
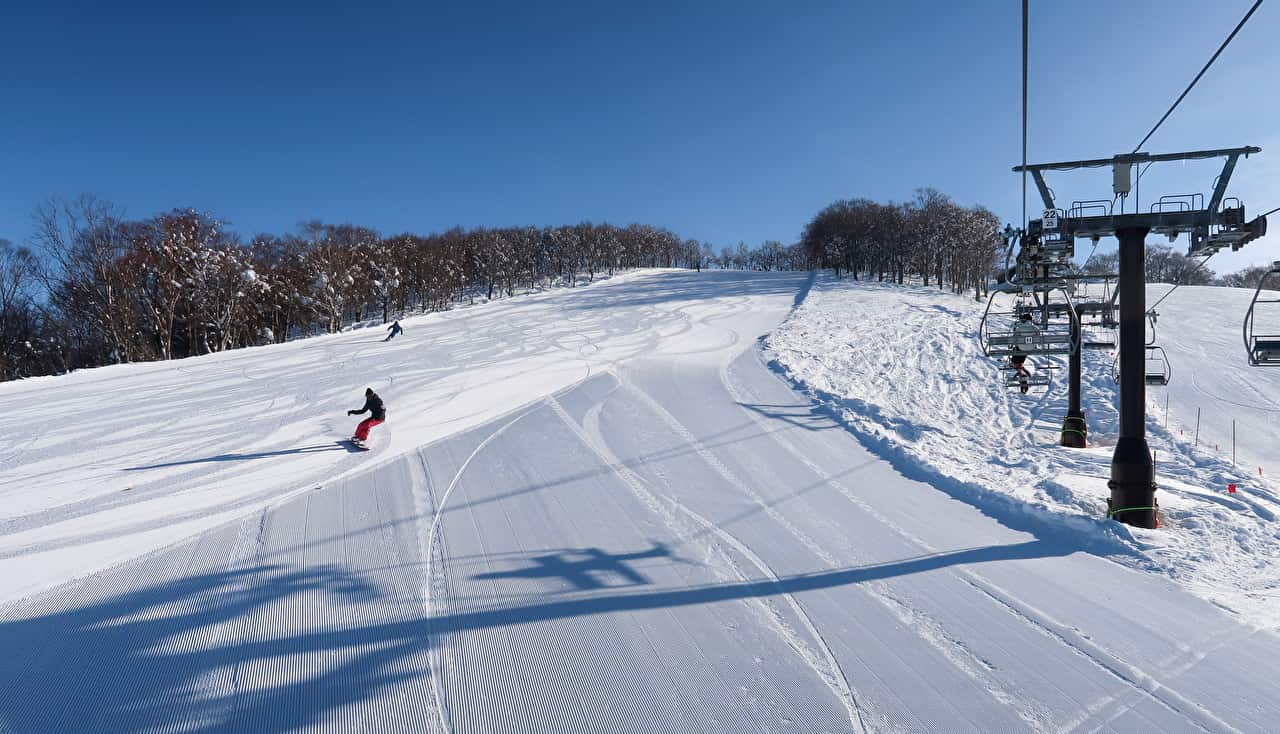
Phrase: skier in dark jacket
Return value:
(377, 415)
(394, 328)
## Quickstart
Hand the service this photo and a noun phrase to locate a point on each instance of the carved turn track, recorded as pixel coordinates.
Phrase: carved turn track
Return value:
(678, 542)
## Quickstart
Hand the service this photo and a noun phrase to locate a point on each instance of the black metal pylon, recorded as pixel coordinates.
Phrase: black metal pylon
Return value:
(1075, 432)
(1133, 486)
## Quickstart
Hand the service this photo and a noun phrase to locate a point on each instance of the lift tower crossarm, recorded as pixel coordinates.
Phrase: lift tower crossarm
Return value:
(1132, 158)
(1158, 220)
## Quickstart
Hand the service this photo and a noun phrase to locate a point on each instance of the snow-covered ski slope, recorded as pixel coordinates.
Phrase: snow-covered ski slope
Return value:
(102, 465)
(590, 511)
(903, 368)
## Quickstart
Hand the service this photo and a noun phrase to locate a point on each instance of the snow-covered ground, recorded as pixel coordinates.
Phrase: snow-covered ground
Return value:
(903, 368)
(599, 510)
(106, 464)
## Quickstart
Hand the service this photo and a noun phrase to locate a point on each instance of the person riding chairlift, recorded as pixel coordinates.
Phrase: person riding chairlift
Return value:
(1024, 327)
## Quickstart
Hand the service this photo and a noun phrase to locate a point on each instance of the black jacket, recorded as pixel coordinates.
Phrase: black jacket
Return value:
(374, 404)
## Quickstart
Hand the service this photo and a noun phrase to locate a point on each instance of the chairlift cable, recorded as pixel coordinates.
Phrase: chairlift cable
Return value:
(1152, 308)
(1192, 84)
(1142, 171)
(1024, 114)
(1091, 251)
(1212, 59)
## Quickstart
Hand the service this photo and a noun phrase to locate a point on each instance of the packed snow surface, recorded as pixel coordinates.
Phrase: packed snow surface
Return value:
(598, 510)
(903, 367)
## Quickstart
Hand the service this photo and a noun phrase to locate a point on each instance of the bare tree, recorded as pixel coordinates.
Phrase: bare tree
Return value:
(88, 277)
(178, 284)
(17, 273)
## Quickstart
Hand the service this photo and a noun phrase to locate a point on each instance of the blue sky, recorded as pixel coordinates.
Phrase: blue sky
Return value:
(722, 121)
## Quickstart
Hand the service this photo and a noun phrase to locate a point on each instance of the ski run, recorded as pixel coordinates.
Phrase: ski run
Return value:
(665, 502)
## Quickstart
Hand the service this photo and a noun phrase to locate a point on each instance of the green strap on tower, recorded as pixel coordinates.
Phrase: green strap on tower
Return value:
(1112, 514)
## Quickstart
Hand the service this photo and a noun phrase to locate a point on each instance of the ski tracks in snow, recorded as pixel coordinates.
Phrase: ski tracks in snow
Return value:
(426, 507)
(850, 615)
(926, 626)
(823, 662)
(786, 613)
(841, 377)
(814, 652)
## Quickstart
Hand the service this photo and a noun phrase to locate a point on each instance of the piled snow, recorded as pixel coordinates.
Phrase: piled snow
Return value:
(902, 367)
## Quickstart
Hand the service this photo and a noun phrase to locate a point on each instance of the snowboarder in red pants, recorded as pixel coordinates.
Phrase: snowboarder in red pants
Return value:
(377, 415)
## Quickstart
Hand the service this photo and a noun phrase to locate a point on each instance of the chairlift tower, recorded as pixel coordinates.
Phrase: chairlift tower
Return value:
(1075, 430)
(1212, 225)
(1043, 266)
(1036, 278)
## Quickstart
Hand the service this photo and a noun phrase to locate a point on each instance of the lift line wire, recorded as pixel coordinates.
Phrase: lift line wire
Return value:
(1162, 119)
(1193, 83)
(1202, 71)
(1176, 286)
(1198, 267)
(1024, 114)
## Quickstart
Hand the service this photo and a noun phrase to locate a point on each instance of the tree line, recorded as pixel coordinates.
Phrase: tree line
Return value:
(931, 238)
(1162, 264)
(96, 288)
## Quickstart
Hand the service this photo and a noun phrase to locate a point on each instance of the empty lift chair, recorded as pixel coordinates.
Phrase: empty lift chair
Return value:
(1263, 342)
(1156, 367)
(1157, 371)
(1097, 318)
(1098, 336)
(1042, 377)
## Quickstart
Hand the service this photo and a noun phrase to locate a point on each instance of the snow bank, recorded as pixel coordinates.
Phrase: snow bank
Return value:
(902, 367)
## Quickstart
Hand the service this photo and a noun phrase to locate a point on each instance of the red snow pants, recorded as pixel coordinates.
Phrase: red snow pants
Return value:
(362, 430)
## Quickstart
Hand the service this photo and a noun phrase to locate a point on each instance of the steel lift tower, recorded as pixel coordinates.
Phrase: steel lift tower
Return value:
(1212, 225)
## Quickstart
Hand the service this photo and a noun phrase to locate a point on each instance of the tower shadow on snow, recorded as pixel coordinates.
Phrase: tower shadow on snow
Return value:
(586, 568)
(215, 650)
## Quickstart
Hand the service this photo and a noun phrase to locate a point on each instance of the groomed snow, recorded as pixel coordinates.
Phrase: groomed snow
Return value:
(903, 368)
(598, 510)
(107, 464)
